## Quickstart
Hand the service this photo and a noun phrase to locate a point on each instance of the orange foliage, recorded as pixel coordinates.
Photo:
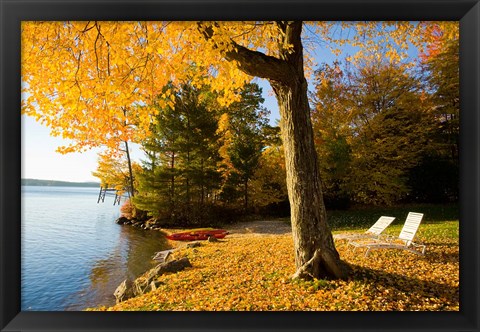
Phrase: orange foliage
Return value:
(439, 35)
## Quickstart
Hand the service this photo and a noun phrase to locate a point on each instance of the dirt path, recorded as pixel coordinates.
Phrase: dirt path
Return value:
(249, 228)
(259, 227)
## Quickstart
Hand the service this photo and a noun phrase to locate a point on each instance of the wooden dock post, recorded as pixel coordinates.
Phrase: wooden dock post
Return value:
(103, 192)
(101, 195)
(117, 198)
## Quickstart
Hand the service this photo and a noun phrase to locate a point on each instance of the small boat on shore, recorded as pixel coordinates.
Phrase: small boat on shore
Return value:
(198, 234)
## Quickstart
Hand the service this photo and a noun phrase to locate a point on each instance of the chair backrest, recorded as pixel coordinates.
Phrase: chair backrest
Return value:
(378, 227)
(411, 227)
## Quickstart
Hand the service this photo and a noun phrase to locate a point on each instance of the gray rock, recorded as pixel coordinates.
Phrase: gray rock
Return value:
(170, 266)
(163, 256)
(124, 291)
(122, 221)
(146, 282)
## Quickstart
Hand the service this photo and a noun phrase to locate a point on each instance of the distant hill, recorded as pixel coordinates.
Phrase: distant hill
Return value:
(53, 183)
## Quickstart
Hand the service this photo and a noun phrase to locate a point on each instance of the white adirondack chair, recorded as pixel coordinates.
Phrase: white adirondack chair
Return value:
(403, 241)
(371, 233)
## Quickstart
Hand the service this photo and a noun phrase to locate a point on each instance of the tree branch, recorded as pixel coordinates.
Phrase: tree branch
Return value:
(251, 62)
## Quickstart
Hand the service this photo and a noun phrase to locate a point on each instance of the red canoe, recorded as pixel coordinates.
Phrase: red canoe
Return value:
(195, 235)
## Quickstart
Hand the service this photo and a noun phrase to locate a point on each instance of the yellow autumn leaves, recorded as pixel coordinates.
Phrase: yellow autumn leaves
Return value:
(78, 77)
(253, 272)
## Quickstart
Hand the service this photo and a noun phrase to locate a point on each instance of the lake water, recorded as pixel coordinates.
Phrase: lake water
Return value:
(74, 255)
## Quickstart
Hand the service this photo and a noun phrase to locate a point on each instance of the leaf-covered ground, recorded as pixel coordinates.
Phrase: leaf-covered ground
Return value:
(252, 272)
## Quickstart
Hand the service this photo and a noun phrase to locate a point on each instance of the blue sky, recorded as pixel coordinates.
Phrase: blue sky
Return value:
(40, 161)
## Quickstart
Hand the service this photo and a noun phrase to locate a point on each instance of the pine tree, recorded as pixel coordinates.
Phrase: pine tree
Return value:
(180, 174)
(243, 125)
(158, 181)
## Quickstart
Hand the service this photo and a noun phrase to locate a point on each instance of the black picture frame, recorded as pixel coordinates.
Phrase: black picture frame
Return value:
(15, 11)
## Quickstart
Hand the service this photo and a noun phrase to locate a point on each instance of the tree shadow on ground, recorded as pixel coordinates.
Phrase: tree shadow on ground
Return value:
(410, 285)
(443, 257)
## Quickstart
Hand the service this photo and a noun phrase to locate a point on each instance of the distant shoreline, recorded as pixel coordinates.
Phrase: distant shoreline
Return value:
(54, 183)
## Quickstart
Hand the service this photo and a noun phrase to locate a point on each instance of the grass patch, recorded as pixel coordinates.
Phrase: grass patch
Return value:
(360, 219)
(366, 217)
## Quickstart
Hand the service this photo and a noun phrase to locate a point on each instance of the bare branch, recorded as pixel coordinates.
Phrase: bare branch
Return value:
(87, 28)
(99, 34)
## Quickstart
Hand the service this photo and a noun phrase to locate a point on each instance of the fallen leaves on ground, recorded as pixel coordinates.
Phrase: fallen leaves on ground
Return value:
(253, 273)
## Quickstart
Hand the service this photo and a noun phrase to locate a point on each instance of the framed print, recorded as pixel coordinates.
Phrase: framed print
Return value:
(191, 148)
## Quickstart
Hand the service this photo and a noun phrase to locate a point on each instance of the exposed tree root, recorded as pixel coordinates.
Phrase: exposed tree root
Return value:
(323, 264)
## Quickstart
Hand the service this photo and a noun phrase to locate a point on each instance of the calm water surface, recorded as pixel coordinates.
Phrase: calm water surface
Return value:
(74, 255)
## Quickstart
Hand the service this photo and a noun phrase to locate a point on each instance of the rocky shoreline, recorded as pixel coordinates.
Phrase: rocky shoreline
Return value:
(168, 263)
(146, 282)
(149, 224)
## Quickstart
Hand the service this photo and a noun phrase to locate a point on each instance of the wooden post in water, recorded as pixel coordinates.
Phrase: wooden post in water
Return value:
(101, 195)
(117, 198)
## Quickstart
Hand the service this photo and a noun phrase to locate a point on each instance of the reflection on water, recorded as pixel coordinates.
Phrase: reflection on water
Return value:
(73, 253)
(130, 258)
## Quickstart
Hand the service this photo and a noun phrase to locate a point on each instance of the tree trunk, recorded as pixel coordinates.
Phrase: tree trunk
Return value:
(202, 187)
(245, 194)
(130, 171)
(315, 253)
(132, 189)
(172, 184)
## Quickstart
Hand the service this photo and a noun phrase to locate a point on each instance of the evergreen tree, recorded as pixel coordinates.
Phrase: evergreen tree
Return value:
(182, 154)
(199, 144)
(242, 126)
(158, 181)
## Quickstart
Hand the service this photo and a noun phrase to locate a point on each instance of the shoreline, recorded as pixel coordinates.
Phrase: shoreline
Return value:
(241, 229)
